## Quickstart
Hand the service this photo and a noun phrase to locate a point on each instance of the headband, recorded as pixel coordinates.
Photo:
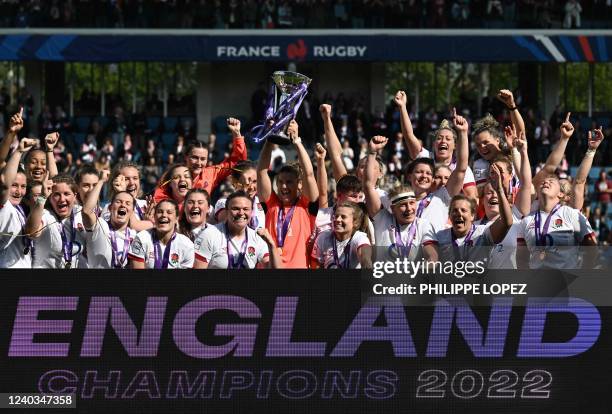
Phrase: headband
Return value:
(409, 195)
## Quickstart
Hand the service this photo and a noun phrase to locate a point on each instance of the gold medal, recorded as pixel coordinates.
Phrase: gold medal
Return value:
(542, 255)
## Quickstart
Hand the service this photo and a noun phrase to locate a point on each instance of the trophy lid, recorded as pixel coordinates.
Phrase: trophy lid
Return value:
(289, 80)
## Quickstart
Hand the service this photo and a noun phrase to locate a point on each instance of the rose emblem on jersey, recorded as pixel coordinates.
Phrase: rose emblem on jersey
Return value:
(558, 223)
(251, 251)
(174, 258)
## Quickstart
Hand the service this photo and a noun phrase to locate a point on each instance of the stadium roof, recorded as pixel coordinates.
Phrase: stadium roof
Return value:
(483, 45)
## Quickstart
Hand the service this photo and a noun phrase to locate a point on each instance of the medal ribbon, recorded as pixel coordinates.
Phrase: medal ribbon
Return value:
(116, 259)
(541, 235)
(466, 242)
(282, 224)
(347, 255)
(239, 262)
(162, 263)
(254, 222)
(67, 243)
(404, 249)
(423, 204)
(139, 210)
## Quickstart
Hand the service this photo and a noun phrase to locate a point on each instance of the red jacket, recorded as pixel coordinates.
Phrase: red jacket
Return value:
(210, 177)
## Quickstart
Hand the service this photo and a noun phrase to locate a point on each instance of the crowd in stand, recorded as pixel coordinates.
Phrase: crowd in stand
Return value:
(251, 14)
(468, 191)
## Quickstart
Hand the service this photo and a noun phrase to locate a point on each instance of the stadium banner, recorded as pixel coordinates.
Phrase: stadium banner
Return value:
(296, 341)
(530, 46)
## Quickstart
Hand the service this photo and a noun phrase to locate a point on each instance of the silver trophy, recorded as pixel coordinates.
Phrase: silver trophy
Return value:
(290, 88)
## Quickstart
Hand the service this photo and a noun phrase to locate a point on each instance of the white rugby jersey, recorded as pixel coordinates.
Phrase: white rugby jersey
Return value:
(198, 230)
(468, 178)
(471, 247)
(49, 249)
(567, 228)
(503, 254)
(212, 248)
(100, 247)
(436, 208)
(258, 216)
(180, 255)
(13, 246)
(385, 229)
(347, 255)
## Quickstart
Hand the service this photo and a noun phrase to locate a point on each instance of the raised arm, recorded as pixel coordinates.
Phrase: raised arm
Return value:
(595, 138)
(523, 197)
(500, 227)
(555, 157)
(51, 141)
(10, 171)
(90, 218)
(321, 175)
(372, 197)
(238, 154)
(333, 143)
(34, 222)
(412, 142)
(264, 184)
(455, 181)
(15, 125)
(507, 98)
(309, 183)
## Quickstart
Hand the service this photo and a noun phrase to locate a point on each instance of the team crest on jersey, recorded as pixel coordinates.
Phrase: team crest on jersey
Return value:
(558, 223)
(174, 258)
(251, 251)
(259, 207)
(80, 227)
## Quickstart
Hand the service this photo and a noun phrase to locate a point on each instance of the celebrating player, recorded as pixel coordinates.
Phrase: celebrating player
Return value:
(208, 177)
(233, 244)
(288, 219)
(16, 247)
(400, 232)
(346, 245)
(553, 232)
(59, 241)
(193, 219)
(162, 247)
(244, 177)
(444, 145)
(466, 241)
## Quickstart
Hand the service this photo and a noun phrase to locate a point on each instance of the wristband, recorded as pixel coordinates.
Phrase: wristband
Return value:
(40, 200)
(590, 153)
(514, 108)
(370, 152)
